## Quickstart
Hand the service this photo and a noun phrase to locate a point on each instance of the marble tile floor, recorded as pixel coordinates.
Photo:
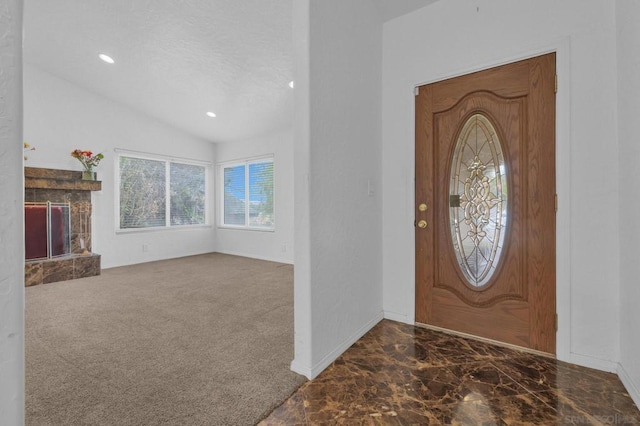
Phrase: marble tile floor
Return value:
(403, 375)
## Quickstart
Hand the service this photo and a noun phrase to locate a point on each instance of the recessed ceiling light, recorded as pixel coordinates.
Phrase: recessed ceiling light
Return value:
(291, 84)
(108, 59)
(211, 114)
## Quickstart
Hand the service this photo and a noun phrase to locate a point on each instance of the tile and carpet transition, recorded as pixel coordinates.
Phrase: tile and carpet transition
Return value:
(207, 340)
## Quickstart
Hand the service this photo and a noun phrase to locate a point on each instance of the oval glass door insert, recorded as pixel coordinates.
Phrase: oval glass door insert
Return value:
(478, 200)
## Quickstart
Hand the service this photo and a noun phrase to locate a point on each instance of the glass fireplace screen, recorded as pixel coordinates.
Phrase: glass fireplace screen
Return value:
(47, 230)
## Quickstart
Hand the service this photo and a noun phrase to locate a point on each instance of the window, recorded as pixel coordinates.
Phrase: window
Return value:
(155, 192)
(247, 194)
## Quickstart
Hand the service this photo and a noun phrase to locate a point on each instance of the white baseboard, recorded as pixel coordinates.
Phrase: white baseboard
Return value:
(334, 354)
(300, 369)
(595, 363)
(251, 256)
(313, 371)
(394, 316)
(633, 389)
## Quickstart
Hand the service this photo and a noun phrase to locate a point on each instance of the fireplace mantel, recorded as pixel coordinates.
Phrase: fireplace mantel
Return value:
(39, 178)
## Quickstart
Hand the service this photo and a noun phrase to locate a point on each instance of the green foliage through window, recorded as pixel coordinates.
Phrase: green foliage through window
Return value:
(187, 194)
(248, 194)
(157, 193)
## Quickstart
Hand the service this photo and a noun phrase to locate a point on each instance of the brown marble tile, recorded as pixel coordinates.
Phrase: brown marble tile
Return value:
(62, 269)
(75, 243)
(62, 184)
(466, 413)
(568, 411)
(29, 195)
(481, 380)
(405, 375)
(291, 412)
(524, 409)
(33, 273)
(604, 403)
(53, 195)
(57, 270)
(75, 219)
(86, 266)
(76, 246)
(572, 390)
(41, 172)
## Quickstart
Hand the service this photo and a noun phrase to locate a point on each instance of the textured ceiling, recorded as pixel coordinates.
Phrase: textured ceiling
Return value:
(390, 9)
(175, 59)
(178, 59)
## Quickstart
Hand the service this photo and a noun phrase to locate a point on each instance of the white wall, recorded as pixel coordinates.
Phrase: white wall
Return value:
(12, 213)
(454, 37)
(628, 17)
(276, 246)
(341, 295)
(60, 116)
(302, 362)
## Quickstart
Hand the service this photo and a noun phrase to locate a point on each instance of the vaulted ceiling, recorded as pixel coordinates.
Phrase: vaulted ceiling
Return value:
(175, 60)
(390, 9)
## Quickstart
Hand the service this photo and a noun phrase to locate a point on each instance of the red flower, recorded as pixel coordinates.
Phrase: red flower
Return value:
(87, 158)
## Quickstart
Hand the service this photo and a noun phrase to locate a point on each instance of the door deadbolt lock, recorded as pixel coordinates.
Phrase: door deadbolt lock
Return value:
(422, 224)
(422, 207)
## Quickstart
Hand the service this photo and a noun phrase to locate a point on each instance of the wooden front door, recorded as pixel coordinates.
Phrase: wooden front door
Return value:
(485, 204)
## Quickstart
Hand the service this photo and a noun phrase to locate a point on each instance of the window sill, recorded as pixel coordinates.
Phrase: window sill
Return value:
(245, 228)
(162, 229)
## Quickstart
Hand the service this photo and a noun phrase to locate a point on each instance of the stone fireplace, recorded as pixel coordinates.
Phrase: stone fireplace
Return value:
(63, 186)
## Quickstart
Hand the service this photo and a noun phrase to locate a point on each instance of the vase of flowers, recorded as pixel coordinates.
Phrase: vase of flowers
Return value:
(89, 161)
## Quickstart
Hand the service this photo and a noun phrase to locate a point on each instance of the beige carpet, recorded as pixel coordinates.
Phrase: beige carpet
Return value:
(201, 340)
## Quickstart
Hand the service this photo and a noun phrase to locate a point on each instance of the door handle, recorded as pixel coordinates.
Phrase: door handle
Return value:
(422, 224)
